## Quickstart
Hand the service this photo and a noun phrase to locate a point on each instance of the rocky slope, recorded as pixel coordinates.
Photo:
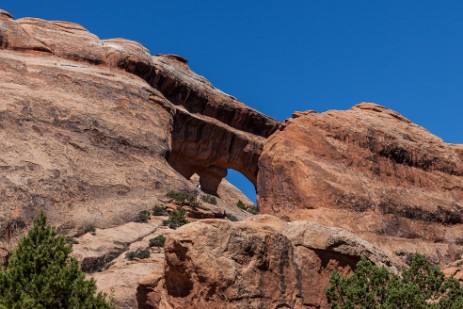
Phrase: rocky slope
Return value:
(87, 135)
(371, 171)
(94, 131)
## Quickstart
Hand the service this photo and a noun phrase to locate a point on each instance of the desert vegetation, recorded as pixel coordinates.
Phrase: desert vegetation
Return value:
(209, 199)
(421, 286)
(41, 274)
(90, 229)
(159, 210)
(252, 209)
(157, 241)
(138, 254)
(176, 219)
(142, 217)
(184, 199)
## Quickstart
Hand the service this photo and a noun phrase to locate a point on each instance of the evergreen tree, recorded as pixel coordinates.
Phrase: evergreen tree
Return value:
(42, 275)
(422, 286)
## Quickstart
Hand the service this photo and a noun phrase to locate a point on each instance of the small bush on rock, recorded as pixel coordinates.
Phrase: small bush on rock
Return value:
(71, 241)
(241, 205)
(142, 217)
(194, 203)
(138, 254)
(252, 209)
(231, 217)
(90, 229)
(209, 199)
(159, 210)
(184, 199)
(157, 241)
(176, 219)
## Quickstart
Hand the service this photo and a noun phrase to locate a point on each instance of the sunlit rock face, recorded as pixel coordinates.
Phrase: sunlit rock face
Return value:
(92, 130)
(261, 262)
(369, 170)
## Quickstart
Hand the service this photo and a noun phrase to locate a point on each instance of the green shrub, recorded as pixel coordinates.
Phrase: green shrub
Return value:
(183, 199)
(176, 219)
(138, 254)
(159, 210)
(157, 241)
(241, 205)
(71, 241)
(41, 274)
(420, 286)
(252, 209)
(90, 229)
(142, 217)
(107, 266)
(194, 203)
(210, 199)
(177, 196)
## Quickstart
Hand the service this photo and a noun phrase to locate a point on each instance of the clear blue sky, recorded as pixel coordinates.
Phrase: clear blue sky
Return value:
(282, 56)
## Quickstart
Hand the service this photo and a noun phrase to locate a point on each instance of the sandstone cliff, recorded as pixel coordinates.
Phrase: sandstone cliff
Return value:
(371, 171)
(93, 131)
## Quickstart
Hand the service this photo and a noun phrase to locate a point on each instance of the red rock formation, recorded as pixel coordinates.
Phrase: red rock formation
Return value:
(371, 171)
(212, 130)
(454, 270)
(261, 262)
(92, 131)
(232, 128)
(88, 136)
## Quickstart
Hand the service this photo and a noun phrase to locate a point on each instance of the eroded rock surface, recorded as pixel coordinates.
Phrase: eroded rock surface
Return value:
(371, 171)
(212, 130)
(234, 132)
(92, 131)
(261, 262)
(454, 270)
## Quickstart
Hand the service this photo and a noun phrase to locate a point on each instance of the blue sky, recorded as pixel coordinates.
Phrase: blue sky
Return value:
(282, 56)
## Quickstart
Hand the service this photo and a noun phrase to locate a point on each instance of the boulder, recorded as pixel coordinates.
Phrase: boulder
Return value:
(261, 262)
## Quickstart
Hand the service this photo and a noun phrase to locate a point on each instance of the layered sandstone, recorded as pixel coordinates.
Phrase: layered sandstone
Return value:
(260, 262)
(371, 171)
(212, 130)
(92, 131)
(235, 131)
(103, 257)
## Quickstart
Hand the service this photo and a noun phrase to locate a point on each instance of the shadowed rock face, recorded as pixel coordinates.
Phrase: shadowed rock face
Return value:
(371, 171)
(92, 130)
(212, 130)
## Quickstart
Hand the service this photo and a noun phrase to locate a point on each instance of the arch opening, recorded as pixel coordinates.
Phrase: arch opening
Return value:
(243, 184)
